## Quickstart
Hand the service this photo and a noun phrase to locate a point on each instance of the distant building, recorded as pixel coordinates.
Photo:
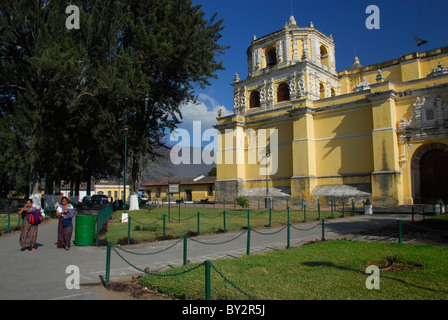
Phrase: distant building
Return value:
(112, 189)
(377, 131)
(190, 189)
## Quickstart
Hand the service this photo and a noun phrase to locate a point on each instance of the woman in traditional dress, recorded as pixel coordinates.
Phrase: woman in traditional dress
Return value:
(65, 212)
(28, 233)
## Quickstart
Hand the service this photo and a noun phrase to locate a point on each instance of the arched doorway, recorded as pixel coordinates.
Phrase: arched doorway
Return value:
(430, 174)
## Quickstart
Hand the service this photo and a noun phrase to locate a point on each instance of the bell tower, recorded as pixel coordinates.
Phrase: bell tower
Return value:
(287, 65)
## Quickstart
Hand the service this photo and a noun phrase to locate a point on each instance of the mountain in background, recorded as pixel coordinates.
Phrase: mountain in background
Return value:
(167, 169)
(191, 170)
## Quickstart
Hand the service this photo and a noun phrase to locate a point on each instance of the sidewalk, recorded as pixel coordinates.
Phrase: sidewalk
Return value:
(41, 274)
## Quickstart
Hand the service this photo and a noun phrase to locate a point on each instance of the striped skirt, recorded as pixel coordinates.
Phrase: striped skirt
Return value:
(28, 235)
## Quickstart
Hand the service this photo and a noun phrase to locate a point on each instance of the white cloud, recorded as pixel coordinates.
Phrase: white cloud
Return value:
(204, 113)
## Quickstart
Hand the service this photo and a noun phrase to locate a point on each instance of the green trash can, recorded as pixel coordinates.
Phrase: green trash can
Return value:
(84, 230)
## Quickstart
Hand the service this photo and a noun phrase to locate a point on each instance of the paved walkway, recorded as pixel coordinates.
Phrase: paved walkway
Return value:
(42, 274)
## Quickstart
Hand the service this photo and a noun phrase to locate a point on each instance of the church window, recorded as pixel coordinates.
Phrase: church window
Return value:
(271, 57)
(254, 99)
(429, 114)
(324, 56)
(322, 90)
(283, 92)
(333, 92)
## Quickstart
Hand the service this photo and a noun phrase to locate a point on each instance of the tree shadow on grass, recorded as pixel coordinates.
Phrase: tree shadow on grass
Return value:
(328, 264)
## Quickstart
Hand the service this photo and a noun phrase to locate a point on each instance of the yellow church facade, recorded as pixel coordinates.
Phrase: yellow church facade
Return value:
(302, 130)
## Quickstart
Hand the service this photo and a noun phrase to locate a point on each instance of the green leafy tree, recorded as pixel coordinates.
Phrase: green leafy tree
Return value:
(65, 95)
(168, 49)
(53, 89)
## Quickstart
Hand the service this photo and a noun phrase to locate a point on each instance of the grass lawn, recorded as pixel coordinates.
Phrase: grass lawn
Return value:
(14, 220)
(147, 226)
(320, 271)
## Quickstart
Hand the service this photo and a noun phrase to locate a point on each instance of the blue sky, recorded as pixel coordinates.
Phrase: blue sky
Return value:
(400, 20)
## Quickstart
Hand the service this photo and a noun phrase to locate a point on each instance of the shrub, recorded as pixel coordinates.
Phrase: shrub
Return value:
(242, 201)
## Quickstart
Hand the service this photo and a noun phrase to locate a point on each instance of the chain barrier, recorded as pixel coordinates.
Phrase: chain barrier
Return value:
(149, 253)
(218, 215)
(145, 224)
(209, 265)
(153, 273)
(270, 233)
(231, 283)
(205, 263)
(217, 243)
(299, 229)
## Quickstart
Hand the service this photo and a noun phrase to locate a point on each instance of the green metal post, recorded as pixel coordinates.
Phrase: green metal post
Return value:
(343, 209)
(126, 129)
(129, 229)
(248, 242)
(270, 217)
(318, 208)
(207, 280)
(288, 244)
(412, 214)
(353, 206)
(97, 231)
(108, 264)
(304, 213)
(224, 218)
(185, 250)
(424, 214)
(9, 221)
(399, 231)
(323, 229)
(332, 209)
(198, 224)
(163, 229)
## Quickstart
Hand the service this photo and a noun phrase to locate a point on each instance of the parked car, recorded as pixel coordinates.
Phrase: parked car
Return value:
(99, 199)
(87, 200)
(142, 199)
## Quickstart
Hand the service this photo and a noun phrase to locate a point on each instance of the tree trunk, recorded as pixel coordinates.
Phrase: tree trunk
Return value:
(35, 190)
(135, 182)
(89, 184)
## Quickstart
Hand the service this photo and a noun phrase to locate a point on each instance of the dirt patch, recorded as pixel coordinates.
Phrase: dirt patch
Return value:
(124, 241)
(131, 290)
(167, 237)
(387, 265)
